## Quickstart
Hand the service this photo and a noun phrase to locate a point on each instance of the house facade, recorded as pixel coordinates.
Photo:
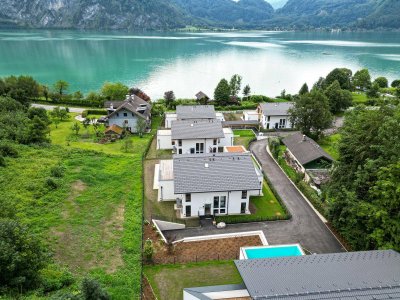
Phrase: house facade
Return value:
(125, 114)
(209, 184)
(273, 115)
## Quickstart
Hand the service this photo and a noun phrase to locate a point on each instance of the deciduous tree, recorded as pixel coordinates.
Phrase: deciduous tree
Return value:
(222, 93)
(362, 79)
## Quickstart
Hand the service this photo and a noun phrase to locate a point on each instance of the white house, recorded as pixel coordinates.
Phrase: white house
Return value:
(271, 115)
(192, 112)
(209, 184)
(125, 114)
(195, 136)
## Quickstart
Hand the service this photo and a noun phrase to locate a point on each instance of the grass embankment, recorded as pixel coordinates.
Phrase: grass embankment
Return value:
(330, 144)
(91, 220)
(168, 281)
(243, 137)
(264, 208)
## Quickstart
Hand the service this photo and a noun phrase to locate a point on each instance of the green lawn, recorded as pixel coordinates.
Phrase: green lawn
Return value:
(330, 145)
(92, 221)
(359, 98)
(267, 208)
(168, 281)
(243, 137)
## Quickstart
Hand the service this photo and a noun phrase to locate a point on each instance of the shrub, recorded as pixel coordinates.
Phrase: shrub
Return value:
(148, 250)
(57, 171)
(51, 183)
(2, 161)
(84, 114)
(92, 290)
(21, 256)
(54, 278)
(274, 144)
(8, 149)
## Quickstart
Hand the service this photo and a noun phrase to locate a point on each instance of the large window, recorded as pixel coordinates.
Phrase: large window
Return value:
(282, 123)
(215, 142)
(199, 148)
(244, 194)
(180, 143)
(188, 197)
(219, 205)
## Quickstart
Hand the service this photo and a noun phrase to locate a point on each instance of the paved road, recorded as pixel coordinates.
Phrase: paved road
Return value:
(305, 227)
(51, 107)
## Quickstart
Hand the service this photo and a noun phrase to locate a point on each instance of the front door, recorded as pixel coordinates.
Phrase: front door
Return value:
(207, 209)
(243, 207)
(188, 211)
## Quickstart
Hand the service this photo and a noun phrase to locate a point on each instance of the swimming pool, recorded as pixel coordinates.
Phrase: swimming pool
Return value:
(271, 251)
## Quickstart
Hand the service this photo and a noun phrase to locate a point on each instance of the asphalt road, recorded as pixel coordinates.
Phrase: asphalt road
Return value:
(51, 107)
(305, 227)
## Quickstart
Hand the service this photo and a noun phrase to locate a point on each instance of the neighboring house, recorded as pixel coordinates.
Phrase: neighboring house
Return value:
(195, 135)
(272, 115)
(202, 97)
(307, 157)
(209, 184)
(339, 276)
(125, 114)
(192, 112)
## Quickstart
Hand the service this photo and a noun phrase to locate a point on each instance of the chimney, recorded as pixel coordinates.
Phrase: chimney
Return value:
(206, 165)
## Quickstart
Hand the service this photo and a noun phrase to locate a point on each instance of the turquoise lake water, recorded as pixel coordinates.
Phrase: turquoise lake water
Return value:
(270, 252)
(189, 62)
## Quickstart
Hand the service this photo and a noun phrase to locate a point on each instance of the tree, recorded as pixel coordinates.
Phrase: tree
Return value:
(382, 82)
(246, 91)
(76, 128)
(61, 86)
(362, 79)
(58, 115)
(320, 84)
(41, 113)
(222, 93)
(148, 250)
(138, 92)
(141, 126)
(311, 114)
(38, 130)
(235, 85)
(169, 98)
(114, 91)
(77, 95)
(342, 75)
(373, 92)
(21, 256)
(304, 89)
(92, 290)
(339, 100)
(395, 83)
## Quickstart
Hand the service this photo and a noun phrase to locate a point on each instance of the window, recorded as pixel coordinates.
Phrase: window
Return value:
(125, 114)
(133, 114)
(269, 118)
(188, 211)
(215, 142)
(180, 143)
(216, 202)
(243, 207)
(244, 194)
(180, 151)
(282, 123)
(222, 202)
(192, 151)
(267, 125)
(173, 143)
(188, 197)
(117, 114)
(219, 205)
(126, 122)
(199, 147)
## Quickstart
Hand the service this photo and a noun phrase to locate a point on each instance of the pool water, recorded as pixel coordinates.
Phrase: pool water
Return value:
(269, 252)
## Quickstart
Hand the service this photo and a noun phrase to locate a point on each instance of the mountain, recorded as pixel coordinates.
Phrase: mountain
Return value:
(91, 14)
(172, 14)
(227, 12)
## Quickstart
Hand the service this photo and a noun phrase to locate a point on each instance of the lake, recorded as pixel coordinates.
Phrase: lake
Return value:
(189, 62)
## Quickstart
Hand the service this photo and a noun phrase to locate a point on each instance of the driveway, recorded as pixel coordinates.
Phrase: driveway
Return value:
(305, 227)
(78, 110)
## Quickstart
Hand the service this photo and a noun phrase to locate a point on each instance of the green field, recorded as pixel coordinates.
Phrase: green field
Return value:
(91, 220)
(243, 137)
(168, 281)
(359, 98)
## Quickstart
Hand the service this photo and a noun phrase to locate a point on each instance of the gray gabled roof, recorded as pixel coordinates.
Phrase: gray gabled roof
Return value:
(196, 129)
(199, 173)
(132, 103)
(276, 108)
(200, 95)
(305, 149)
(185, 112)
(363, 275)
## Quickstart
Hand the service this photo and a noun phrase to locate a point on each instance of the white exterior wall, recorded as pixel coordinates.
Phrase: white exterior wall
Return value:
(164, 140)
(220, 116)
(169, 117)
(251, 115)
(273, 120)
(188, 144)
(228, 139)
(119, 120)
(188, 296)
(233, 202)
(166, 190)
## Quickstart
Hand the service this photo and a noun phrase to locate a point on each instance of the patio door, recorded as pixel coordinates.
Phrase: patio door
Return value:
(207, 209)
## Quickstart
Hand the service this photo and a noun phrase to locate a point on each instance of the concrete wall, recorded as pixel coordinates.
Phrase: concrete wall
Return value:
(164, 139)
(273, 120)
(169, 117)
(128, 121)
(164, 225)
(166, 190)
(228, 139)
(251, 115)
